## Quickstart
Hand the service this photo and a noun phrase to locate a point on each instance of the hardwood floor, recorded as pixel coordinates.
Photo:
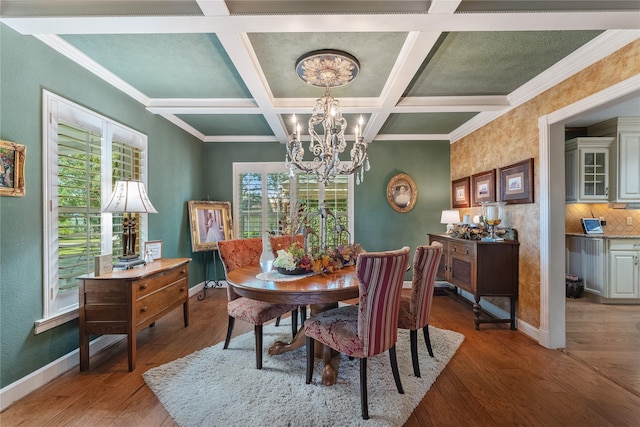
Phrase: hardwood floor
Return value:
(605, 337)
(498, 377)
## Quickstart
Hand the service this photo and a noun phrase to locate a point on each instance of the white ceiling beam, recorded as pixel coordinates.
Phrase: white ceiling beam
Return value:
(213, 7)
(530, 21)
(444, 6)
(240, 51)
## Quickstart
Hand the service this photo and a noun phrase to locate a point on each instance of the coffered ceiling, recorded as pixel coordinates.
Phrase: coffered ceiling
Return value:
(430, 70)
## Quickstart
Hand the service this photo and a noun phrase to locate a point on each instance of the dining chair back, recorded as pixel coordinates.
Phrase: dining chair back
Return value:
(284, 242)
(241, 253)
(415, 308)
(371, 326)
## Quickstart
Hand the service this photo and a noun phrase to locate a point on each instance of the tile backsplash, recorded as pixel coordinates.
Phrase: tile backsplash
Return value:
(616, 218)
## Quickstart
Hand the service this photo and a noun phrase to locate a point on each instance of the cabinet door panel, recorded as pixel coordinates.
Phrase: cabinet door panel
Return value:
(629, 168)
(624, 274)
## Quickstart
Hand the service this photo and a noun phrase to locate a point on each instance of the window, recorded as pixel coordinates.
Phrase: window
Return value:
(266, 198)
(85, 154)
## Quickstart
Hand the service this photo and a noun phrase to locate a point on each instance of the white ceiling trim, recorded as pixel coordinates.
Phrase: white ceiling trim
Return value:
(66, 49)
(597, 49)
(411, 137)
(443, 6)
(184, 126)
(202, 102)
(242, 138)
(529, 21)
(430, 104)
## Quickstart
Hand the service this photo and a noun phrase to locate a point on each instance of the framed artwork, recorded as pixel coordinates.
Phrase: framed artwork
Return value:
(12, 157)
(460, 193)
(516, 182)
(402, 193)
(210, 223)
(155, 246)
(483, 187)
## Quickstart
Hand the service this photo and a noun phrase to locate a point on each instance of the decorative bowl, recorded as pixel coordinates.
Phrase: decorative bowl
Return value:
(295, 272)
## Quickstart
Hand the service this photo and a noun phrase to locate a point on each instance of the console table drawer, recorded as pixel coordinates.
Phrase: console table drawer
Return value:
(150, 284)
(151, 305)
(463, 248)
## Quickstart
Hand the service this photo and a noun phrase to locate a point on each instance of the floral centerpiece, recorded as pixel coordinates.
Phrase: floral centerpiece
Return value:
(295, 260)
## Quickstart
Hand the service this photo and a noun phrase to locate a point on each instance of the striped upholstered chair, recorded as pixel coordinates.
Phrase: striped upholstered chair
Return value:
(369, 328)
(415, 308)
(240, 253)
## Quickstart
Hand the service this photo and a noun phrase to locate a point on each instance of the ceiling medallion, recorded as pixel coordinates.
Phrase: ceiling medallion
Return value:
(327, 68)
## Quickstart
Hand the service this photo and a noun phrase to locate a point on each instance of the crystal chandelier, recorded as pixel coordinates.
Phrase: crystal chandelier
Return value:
(327, 68)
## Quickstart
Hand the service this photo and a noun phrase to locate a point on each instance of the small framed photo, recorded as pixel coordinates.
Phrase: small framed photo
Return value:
(155, 246)
(12, 157)
(460, 193)
(402, 193)
(483, 187)
(210, 223)
(516, 182)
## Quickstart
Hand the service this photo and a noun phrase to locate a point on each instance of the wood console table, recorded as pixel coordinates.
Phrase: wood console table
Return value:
(488, 269)
(127, 301)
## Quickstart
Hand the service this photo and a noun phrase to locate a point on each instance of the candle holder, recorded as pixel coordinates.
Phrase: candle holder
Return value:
(493, 215)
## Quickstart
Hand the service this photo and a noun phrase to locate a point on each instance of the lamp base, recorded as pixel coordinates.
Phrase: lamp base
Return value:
(129, 261)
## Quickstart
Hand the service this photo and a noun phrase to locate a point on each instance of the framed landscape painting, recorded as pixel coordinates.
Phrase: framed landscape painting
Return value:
(460, 193)
(516, 182)
(483, 187)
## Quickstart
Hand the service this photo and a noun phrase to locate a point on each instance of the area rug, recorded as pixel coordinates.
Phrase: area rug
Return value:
(216, 387)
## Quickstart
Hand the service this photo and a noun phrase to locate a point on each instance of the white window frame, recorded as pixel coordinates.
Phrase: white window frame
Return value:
(275, 167)
(62, 307)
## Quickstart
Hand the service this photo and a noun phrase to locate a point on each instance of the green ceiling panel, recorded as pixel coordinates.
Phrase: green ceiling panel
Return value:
(166, 65)
(228, 124)
(492, 63)
(424, 123)
(279, 52)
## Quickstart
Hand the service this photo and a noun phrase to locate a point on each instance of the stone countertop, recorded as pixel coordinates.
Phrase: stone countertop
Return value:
(606, 236)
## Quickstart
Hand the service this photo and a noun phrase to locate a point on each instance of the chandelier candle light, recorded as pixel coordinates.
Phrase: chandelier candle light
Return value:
(327, 68)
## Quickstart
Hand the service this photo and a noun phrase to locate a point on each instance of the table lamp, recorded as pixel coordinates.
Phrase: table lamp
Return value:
(450, 217)
(129, 197)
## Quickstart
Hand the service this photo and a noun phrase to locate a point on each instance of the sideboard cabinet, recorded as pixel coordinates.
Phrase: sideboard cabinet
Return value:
(127, 301)
(484, 269)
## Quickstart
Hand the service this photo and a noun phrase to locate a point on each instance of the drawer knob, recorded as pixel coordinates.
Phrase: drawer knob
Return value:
(455, 249)
(182, 289)
(143, 286)
(183, 271)
(466, 251)
(144, 309)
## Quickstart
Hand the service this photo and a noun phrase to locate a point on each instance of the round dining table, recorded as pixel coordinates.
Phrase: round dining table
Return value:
(321, 291)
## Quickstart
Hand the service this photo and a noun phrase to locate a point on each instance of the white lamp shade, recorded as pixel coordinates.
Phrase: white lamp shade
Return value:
(131, 197)
(450, 217)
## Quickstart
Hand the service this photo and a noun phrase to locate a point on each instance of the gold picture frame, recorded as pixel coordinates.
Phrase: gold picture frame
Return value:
(12, 158)
(210, 223)
(402, 193)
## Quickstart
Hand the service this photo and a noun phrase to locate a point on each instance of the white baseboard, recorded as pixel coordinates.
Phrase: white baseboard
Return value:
(25, 385)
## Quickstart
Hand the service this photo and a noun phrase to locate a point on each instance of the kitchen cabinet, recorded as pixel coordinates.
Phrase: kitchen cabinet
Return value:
(587, 169)
(624, 268)
(624, 157)
(608, 266)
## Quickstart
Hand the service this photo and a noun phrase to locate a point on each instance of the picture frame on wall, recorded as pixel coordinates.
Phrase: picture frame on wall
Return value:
(483, 187)
(12, 158)
(516, 182)
(402, 193)
(460, 193)
(210, 223)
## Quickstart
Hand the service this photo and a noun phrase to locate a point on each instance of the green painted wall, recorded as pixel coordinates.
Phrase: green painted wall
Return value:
(377, 226)
(175, 175)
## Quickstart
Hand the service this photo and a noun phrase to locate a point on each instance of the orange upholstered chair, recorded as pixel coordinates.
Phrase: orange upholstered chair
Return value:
(284, 242)
(416, 307)
(369, 328)
(240, 253)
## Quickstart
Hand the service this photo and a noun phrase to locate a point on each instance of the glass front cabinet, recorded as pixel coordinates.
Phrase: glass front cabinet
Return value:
(587, 169)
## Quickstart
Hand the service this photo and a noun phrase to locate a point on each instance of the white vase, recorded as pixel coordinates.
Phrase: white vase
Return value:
(266, 257)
